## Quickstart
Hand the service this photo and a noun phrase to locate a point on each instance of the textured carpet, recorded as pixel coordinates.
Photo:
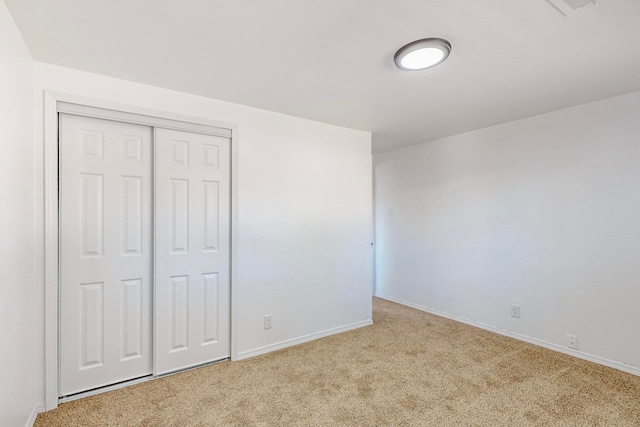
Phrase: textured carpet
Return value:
(409, 369)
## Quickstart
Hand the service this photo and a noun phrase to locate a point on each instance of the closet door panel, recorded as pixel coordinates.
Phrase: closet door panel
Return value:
(105, 252)
(192, 249)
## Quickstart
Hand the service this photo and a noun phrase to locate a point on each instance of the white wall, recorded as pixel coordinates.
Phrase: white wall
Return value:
(542, 212)
(305, 222)
(20, 369)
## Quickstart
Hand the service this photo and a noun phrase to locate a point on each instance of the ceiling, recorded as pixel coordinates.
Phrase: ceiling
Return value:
(332, 60)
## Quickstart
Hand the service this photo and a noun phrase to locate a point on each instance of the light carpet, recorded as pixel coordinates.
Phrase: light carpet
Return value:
(409, 369)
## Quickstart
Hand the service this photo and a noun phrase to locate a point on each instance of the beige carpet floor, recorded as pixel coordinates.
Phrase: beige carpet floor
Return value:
(409, 369)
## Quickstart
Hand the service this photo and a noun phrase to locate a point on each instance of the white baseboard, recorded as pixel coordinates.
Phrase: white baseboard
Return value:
(306, 338)
(32, 418)
(541, 343)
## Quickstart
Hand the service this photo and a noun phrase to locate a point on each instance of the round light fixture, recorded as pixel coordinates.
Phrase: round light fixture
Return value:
(422, 54)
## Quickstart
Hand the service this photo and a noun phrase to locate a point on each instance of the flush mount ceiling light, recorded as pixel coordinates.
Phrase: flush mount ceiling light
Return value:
(422, 54)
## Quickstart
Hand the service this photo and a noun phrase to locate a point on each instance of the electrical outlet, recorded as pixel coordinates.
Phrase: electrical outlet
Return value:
(572, 341)
(515, 310)
(268, 321)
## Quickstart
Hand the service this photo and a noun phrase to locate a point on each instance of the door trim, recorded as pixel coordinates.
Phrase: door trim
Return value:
(55, 102)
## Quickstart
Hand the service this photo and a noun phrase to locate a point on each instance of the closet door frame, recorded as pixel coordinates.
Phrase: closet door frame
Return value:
(54, 103)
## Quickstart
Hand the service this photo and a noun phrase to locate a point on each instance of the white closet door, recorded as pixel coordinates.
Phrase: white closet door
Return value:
(105, 252)
(192, 205)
